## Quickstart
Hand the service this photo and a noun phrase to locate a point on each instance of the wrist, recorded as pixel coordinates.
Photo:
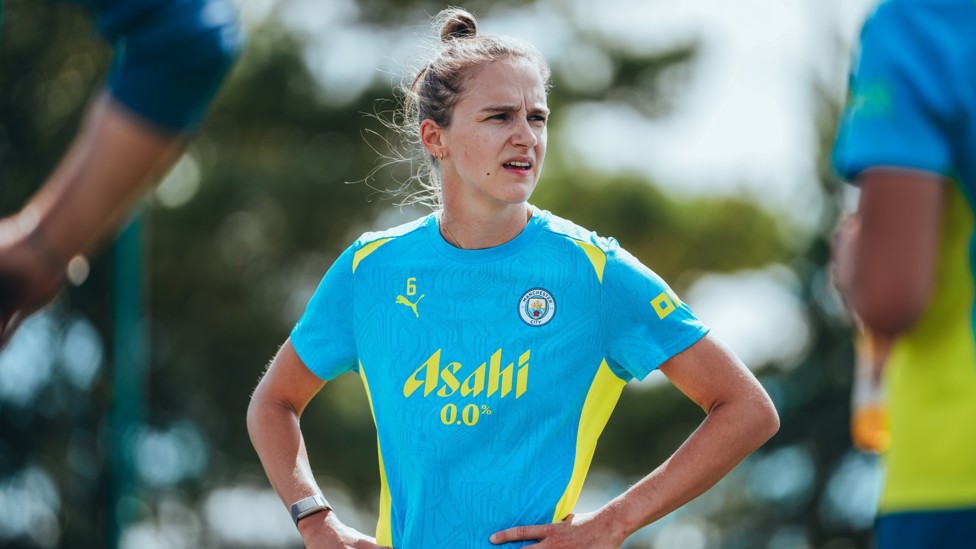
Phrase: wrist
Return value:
(50, 259)
(74, 269)
(316, 523)
(309, 506)
(619, 521)
(23, 231)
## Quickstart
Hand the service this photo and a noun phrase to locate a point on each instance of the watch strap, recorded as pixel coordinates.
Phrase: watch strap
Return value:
(308, 506)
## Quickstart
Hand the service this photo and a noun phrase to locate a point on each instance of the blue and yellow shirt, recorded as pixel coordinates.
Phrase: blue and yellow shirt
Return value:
(491, 373)
(913, 105)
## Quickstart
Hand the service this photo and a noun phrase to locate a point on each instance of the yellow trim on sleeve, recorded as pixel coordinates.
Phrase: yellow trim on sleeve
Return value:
(366, 250)
(384, 523)
(596, 256)
(600, 401)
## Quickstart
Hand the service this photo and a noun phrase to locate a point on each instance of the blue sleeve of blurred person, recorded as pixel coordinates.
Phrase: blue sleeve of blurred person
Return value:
(904, 106)
(170, 56)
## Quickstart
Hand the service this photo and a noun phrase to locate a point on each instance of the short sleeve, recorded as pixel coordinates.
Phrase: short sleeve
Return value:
(644, 321)
(323, 336)
(901, 107)
(170, 56)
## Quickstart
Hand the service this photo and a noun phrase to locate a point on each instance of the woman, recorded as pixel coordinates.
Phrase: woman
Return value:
(494, 339)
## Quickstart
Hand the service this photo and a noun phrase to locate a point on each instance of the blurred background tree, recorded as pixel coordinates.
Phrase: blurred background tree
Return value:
(239, 233)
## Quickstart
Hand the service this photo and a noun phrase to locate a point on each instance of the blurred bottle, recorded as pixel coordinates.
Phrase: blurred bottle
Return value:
(869, 415)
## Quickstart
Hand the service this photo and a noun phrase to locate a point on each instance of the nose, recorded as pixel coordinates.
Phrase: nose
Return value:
(523, 134)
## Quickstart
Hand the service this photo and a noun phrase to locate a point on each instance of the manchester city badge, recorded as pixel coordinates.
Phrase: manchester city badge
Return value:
(537, 307)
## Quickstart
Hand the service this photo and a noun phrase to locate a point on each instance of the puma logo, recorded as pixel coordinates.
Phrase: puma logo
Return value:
(404, 301)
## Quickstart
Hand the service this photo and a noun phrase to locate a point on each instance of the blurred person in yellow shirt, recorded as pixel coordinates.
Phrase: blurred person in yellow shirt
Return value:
(905, 260)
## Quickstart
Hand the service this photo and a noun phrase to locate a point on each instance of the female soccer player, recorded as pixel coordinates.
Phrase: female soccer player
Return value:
(493, 340)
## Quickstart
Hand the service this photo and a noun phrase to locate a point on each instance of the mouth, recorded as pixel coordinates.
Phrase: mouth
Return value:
(518, 166)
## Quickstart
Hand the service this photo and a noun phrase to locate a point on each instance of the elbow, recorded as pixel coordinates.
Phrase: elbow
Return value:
(765, 421)
(252, 416)
(266, 412)
(257, 413)
(754, 417)
(889, 311)
(771, 423)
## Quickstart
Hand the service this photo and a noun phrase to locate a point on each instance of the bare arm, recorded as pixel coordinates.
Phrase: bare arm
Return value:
(885, 257)
(108, 166)
(740, 419)
(273, 424)
(115, 157)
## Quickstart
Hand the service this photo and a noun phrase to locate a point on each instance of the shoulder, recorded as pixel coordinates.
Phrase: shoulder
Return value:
(370, 242)
(570, 231)
(393, 232)
(936, 24)
(597, 249)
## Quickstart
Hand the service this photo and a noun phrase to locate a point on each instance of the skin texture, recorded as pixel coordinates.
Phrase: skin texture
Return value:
(108, 166)
(501, 117)
(273, 424)
(885, 255)
(740, 417)
(485, 205)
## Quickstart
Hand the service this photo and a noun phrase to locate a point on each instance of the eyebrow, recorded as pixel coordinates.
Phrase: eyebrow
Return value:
(512, 108)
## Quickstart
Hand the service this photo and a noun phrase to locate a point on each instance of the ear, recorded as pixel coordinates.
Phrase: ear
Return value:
(432, 137)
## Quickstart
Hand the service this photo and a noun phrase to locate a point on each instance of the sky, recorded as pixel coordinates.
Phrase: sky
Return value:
(745, 125)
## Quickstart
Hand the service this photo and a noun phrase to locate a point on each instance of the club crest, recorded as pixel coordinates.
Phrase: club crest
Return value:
(537, 307)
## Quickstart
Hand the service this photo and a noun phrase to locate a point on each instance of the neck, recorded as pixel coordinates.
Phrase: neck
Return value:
(478, 229)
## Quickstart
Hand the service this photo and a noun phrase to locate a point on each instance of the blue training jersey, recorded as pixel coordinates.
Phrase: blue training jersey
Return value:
(491, 373)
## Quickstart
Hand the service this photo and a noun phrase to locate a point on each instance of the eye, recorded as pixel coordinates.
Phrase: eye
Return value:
(540, 118)
(499, 116)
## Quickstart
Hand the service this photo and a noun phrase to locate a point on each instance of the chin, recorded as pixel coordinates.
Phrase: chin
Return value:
(516, 199)
(519, 194)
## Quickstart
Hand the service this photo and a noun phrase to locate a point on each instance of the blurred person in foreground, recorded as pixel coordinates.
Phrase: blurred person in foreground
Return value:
(904, 261)
(494, 339)
(169, 59)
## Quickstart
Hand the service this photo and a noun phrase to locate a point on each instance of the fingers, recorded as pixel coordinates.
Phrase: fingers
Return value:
(8, 325)
(521, 533)
(21, 294)
(363, 544)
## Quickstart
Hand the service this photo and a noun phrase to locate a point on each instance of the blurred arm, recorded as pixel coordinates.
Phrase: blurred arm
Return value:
(170, 58)
(107, 167)
(886, 260)
(115, 157)
(273, 425)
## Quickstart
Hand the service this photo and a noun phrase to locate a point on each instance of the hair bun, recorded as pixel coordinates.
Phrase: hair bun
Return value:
(456, 24)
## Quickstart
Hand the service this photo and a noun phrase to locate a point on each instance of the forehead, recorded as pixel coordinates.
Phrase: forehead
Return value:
(507, 82)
